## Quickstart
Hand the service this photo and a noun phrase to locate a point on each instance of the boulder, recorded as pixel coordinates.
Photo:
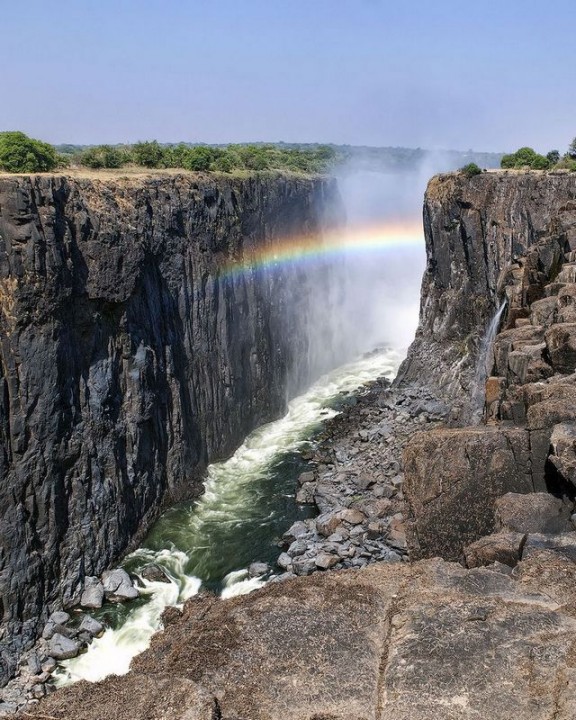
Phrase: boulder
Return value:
(352, 516)
(118, 586)
(298, 547)
(504, 547)
(453, 477)
(63, 648)
(325, 560)
(93, 593)
(528, 364)
(533, 513)
(542, 312)
(327, 523)
(514, 339)
(295, 531)
(306, 477)
(91, 626)
(155, 573)
(305, 494)
(495, 389)
(561, 344)
(563, 451)
(302, 565)
(564, 544)
(59, 617)
(258, 569)
(566, 312)
(284, 561)
(34, 664)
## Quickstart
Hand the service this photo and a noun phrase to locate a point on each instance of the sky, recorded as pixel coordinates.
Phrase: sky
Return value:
(491, 75)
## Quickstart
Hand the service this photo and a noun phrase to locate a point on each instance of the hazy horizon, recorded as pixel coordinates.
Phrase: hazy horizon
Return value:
(490, 77)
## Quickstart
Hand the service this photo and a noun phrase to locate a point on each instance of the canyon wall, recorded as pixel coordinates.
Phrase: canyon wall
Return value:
(477, 231)
(130, 358)
(505, 237)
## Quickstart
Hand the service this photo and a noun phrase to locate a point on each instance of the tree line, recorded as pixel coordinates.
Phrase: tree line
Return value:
(19, 153)
(527, 157)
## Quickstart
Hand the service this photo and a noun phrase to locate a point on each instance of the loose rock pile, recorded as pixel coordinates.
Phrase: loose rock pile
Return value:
(64, 636)
(355, 480)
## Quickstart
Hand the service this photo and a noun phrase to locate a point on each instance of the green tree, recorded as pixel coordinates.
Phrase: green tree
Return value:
(254, 157)
(148, 154)
(540, 163)
(175, 155)
(525, 157)
(553, 157)
(21, 154)
(224, 163)
(199, 158)
(470, 170)
(572, 150)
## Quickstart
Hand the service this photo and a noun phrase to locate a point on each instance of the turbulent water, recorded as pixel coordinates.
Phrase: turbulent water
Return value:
(249, 501)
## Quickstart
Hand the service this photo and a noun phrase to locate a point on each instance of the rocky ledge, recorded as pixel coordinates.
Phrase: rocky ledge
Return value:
(390, 641)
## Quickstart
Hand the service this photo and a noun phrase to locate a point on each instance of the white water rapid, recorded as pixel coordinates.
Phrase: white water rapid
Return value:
(234, 500)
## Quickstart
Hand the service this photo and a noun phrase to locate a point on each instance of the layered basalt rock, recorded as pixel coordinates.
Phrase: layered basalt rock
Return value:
(130, 358)
(504, 238)
(483, 234)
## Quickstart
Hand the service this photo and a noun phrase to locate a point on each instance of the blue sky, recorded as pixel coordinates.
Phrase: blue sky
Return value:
(490, 75)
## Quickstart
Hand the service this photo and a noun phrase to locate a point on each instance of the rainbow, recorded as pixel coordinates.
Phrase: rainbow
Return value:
(353, 240)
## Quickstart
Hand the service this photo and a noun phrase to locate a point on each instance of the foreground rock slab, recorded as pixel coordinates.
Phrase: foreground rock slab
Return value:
(389, 642)
(452, 479)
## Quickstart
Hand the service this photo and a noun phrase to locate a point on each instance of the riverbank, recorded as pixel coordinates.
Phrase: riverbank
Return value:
(355, 480)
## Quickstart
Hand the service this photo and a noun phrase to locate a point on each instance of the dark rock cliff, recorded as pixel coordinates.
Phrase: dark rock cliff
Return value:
(129, 360)
(498, 237)
(476, 231)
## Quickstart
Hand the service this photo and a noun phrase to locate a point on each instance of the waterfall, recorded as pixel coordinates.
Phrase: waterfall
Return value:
(484, 366)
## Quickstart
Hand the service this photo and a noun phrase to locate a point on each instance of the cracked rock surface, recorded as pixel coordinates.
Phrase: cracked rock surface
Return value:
(386, 642)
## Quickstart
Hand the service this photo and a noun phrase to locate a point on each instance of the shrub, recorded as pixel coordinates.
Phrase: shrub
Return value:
(223, 163)
(21, 154)
(470, 170)
(199, 158)
(148, 154)
(103, 156)
(175, 155)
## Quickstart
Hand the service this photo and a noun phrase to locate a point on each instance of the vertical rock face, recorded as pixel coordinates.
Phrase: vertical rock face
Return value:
(130, 358)
(498, 237)
(476, 231)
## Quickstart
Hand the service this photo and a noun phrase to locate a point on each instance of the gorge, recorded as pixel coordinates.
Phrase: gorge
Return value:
(489, 636)
(129, 362)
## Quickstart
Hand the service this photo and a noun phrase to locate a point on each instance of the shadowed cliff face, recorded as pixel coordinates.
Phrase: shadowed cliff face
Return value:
(128, 362)
(475, 231)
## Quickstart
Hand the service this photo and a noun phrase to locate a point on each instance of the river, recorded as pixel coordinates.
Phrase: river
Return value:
(248, 502)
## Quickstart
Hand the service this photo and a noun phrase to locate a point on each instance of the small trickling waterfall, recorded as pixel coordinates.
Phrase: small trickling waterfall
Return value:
(484, 366)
